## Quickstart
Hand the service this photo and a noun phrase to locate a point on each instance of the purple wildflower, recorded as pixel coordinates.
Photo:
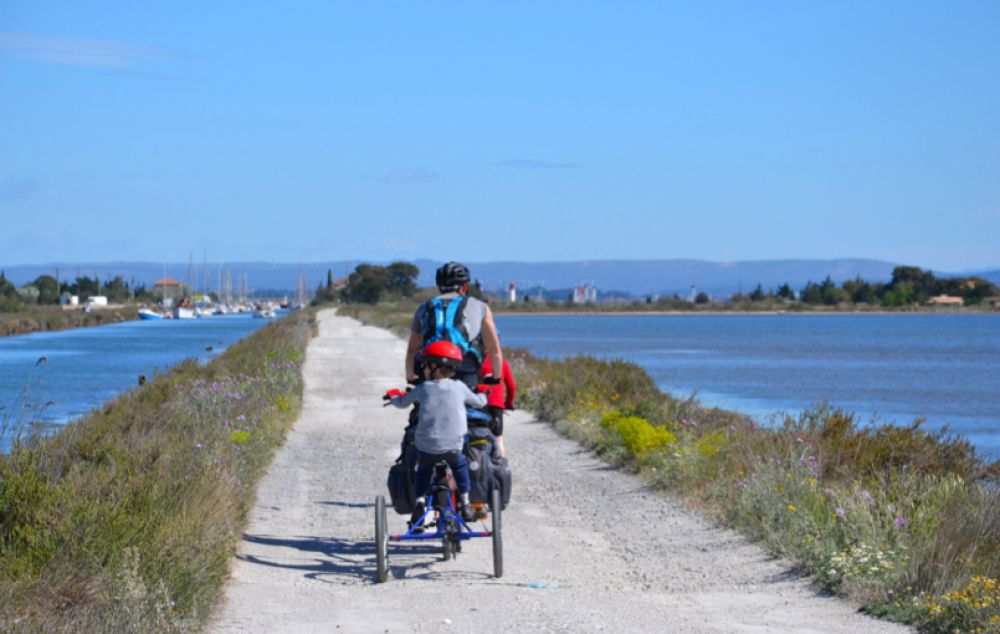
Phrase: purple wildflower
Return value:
(840, 512)
(900, 521)
(198, 445)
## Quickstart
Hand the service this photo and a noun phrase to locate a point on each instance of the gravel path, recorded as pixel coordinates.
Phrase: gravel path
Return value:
(586, 548)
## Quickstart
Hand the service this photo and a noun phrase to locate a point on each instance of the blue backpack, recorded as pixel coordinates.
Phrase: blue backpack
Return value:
(447, 326)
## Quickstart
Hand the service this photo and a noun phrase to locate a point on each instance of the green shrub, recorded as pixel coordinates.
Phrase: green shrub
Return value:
(637, 435)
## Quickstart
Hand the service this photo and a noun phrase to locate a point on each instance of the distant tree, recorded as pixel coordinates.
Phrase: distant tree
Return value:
(899, 295)
(366, 284)
(975, 289)
(48, 289)
(758, 294)
(811, 293)
(862, 292)
(84, 287)
(911, 284)
(145, 295)
(702, 298)
(785, 292)
(10, 299)
(116, 290)
(476, 290)
(369, 283)
(824, 293)
(329, 280)
(403, 278)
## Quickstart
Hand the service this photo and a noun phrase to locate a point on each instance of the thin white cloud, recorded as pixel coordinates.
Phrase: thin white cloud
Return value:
(77, 51)
(532, 164)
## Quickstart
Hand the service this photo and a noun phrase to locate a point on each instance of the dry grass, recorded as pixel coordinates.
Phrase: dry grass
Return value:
(128, 519)
(36, 318)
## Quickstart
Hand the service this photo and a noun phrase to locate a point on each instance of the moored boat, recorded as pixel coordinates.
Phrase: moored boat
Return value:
(184, 312)
(150, 314)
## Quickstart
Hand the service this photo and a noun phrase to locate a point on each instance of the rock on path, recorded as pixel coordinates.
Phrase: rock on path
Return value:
(586, 548)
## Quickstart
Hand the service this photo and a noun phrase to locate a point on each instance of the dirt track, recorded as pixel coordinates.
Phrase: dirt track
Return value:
(586, 548)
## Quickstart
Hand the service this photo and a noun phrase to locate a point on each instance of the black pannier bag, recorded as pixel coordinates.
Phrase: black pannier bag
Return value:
(487, 471)
(402, 475)
(501, 480)
(479, 451)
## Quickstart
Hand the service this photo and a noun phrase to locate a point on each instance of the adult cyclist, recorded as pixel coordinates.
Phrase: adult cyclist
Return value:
(464, 321)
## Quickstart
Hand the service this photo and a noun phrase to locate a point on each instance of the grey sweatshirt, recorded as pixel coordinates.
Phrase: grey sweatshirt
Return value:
(442, 425)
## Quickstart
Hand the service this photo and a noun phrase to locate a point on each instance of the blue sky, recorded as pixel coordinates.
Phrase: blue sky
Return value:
(317, 131)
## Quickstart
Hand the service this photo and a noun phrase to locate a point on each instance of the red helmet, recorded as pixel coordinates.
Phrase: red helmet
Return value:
(442, 352)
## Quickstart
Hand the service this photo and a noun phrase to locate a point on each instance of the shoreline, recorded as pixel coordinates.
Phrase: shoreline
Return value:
(56, 318)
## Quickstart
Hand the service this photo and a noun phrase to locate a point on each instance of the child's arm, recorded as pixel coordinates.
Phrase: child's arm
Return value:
(471, 398)
(405, 400)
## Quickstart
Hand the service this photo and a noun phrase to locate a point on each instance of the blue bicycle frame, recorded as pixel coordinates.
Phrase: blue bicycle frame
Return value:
(416, 532)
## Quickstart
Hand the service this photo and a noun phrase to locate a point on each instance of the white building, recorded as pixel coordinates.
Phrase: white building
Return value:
(512, 292)
(585, 294)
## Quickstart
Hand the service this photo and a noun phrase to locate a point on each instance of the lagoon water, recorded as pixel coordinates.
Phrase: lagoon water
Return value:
(893, 367)
(85, 367)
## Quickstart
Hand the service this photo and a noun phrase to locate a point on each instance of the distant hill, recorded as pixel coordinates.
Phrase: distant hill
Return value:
(635, 277)
(666, 277)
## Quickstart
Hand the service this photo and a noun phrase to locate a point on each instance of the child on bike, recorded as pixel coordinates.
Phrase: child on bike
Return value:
(442, 425)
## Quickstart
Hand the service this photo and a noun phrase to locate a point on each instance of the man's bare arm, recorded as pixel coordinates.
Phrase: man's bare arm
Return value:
(492, 344)
(412, 348)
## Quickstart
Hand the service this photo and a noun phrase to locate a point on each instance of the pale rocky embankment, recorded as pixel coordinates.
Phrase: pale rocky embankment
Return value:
(586, 548)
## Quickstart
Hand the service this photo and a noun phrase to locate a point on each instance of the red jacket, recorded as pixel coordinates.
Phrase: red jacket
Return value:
(496, 395)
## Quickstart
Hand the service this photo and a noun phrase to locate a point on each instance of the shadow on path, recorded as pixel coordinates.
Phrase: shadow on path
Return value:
(347, 505)
(348, 560)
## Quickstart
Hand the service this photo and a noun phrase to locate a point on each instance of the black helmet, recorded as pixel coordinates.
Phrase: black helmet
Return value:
(451, 276)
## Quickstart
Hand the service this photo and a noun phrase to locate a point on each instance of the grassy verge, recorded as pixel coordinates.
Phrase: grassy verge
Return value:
(902, 521)
(36, 318)
(127, 520)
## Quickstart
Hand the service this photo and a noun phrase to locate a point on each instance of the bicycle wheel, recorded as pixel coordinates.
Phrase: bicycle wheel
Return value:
(381, 540)
(496, 532)
(448, 540)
